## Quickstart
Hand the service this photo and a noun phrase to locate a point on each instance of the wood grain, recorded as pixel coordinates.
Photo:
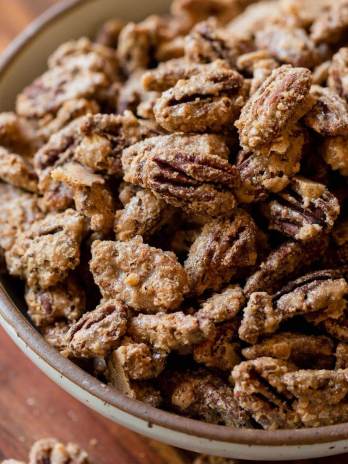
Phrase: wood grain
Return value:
(33, 407)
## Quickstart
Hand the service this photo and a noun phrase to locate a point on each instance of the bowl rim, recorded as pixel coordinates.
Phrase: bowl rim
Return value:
(31, 337)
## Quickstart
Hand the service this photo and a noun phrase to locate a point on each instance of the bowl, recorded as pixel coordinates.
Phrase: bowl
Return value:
(24, 59)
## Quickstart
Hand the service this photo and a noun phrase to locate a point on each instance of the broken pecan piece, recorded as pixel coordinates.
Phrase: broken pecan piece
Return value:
(224, 249)
(98, 331)
(278, 102)
(302, 211)
(185, 171)
(145, 278)
(305, 351)
(208, 102)
(202, 395)
(260, 390)
(224, 306)
(176, 331)
(329, 115)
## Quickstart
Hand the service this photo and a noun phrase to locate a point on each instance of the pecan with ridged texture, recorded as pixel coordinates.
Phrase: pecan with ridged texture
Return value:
(207, 102)
(329, 115)
(302, 211)
(223, 306)
(334, 151)
(99, 331)
(321, 395)
(262, 175)
(44, 254)
(319, 296)
(145, 278)
(284, 263)
(65, 301)
(224, 249)
(184, 170)
(202, 395)
(306, 351)
(258, 65)
(260, 390)
(278, 103)
(332, 25)
(304, 13)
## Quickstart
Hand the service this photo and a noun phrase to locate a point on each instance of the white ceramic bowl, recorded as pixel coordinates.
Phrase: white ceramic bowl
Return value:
(24, 60)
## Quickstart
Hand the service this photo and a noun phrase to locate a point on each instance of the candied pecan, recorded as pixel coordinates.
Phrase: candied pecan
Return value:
(66, 300)
(207, 43)
(221, 350)
(167, 74)
(167, 332)
(109, 33)
(306, 351)
(321, 395)
(92, 197)
(133, 97)
(135, 44)
(302, 211)
(197, 10)
(261, 175)
(318, 295)
(145, 278)
(224, 306)
(17, 135)
(342, 356)
(290, 45)
(51, 451)
(331, 26)
(55, 335)
(18, 210)
(99, 331)
(171, 49)
(224, 249)
(104, 136)
(185, 171)
(321, 73)
(78, 69)
(338, 71)
(139, 361)
(279, 102)
(285, 262)
(304, 13)
(259, 65)
(337, 327)
(140, 390)
(209, 101)
(45, 252)
(334, 150)
(143, 215)
(202, 395)
(17, 171)
(329, 115)
(260, 390)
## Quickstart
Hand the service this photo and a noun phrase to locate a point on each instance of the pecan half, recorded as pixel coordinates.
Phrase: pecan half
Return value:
(260, 390)
(285, 262)
(202, 395)
(224, 249)
(258, 64)
(302, 211)
(278, 102)
(337, 72)
(185, 171)
(224, 306)
(305, 351)
(209, 101)
(319, 296)
(331, 26)
(98, 331)
(145, 278)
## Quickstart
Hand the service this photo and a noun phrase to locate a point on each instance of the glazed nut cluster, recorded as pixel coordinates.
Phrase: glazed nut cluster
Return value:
(174, 197)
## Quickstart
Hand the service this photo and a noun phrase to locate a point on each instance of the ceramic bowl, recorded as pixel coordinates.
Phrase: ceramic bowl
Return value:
(21, 62)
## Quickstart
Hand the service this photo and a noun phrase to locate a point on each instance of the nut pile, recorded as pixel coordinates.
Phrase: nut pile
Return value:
(174, 197)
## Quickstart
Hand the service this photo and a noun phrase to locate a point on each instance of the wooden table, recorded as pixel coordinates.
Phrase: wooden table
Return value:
(31, 406)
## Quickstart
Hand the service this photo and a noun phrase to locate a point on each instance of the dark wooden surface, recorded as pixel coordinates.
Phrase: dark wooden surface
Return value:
(31, 406)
